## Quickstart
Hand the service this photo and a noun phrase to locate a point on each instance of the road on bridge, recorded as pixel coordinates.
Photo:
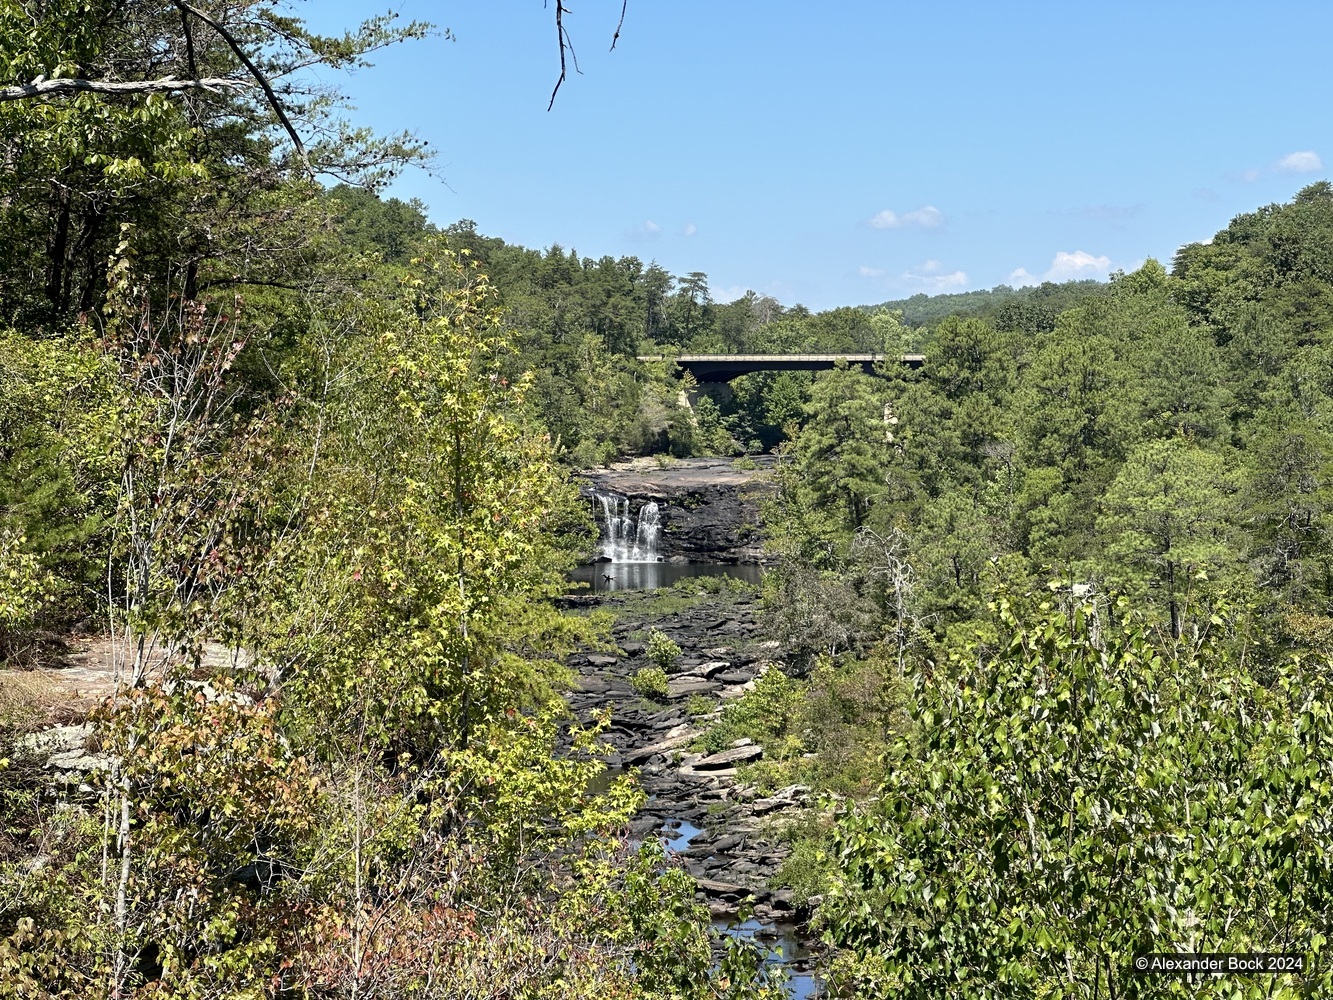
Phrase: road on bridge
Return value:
(725, 367)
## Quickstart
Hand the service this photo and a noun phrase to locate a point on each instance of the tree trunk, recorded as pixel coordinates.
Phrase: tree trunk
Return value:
(57, 248)
(1172, 603)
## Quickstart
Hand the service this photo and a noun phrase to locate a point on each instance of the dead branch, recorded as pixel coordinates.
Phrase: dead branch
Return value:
(567, 45)
(562, 37)
(624, 6)
(41, 87)
(255, 72)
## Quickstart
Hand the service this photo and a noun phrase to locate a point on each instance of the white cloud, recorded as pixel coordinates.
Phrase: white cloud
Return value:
(925, 217)
(928, 278)
(729, 294)
(1077, 265)
(1304, 162)
(871, 272)
(689, 229)
(1065, 266)
(646, 230)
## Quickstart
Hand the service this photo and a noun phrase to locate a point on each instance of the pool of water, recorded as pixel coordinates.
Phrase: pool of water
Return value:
(606, 577)
(783, 947)
(781, 942)
(678, 833)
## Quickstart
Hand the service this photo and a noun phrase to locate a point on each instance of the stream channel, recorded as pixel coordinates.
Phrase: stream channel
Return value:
(720, 829)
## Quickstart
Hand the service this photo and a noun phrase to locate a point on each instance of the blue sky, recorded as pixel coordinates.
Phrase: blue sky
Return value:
(840, 154)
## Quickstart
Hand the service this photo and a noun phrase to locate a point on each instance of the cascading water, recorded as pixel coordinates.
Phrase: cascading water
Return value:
(625, 537)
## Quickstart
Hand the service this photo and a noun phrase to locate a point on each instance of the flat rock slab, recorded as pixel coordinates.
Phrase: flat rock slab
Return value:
(684, 687)
(671, 742)
(728, 758)
(59, 739)
(647, 478)
(723, 890)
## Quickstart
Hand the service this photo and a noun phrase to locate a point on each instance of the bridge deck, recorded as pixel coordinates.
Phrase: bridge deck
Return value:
(725, 367)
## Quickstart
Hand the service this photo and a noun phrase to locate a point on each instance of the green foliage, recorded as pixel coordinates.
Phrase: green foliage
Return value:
(828, 729)
(841, 451)
(698, 705)
(712, 436)
(662, 650)
(25, 590)
(765, 715)
(1276, 257)
(60, 439)
(1167, 517)
(651, 682)
(1028, 309)
(1081, 797)
(202, 174)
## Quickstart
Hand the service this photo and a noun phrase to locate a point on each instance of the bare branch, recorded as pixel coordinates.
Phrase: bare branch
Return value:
(616, 37)
(42, 87)
(566, 43)
(560, 38)
(255, 72)
(189, 42)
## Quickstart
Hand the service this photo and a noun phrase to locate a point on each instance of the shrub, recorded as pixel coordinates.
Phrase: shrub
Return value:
(24, 591)
(662, 651)
(651, 682)
(699, 705)
(764, 715)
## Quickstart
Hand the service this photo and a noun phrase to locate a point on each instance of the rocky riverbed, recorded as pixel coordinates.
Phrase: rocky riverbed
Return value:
(725, 833)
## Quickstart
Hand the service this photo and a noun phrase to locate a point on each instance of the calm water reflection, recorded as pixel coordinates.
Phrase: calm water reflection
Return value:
(651, 575)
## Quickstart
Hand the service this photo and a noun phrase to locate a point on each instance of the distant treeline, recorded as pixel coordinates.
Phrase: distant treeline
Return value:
(1025, 308)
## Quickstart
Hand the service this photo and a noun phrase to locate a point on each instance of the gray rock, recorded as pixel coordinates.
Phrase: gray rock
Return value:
(723, 890)
(78, 760)
(726, 758)
(684, 687)
(672, 741)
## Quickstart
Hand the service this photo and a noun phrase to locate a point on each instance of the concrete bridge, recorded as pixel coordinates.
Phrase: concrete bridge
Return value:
(725, 367)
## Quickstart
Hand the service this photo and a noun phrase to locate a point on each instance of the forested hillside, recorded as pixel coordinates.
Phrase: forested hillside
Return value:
(1030, 307)
(1055, 608)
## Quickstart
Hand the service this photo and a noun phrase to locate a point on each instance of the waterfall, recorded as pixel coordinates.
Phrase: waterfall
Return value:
(626, 538)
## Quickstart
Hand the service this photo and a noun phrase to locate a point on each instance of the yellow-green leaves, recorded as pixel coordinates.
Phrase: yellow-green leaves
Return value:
(1083, 798)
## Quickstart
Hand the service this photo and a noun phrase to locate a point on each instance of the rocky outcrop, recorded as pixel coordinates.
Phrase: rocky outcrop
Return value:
(709, 509)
